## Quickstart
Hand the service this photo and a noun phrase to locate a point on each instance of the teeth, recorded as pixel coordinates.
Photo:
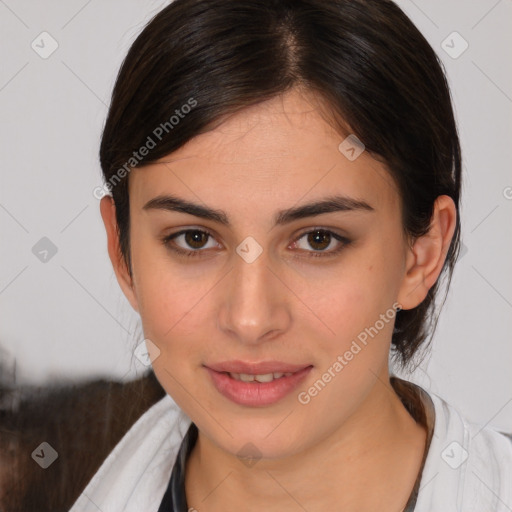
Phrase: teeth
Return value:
(267, 377)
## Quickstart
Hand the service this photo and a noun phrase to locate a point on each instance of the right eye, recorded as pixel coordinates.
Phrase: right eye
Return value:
(194, 238)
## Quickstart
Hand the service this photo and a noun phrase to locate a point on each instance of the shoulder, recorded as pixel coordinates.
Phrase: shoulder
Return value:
(135, 474)
(468, 466)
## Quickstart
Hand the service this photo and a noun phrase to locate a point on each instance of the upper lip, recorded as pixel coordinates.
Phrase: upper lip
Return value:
(260, 368)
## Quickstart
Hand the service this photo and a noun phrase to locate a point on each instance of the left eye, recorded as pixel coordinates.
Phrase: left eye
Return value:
(321, 239)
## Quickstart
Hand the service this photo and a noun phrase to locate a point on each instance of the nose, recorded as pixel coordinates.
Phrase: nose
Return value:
(254, 303)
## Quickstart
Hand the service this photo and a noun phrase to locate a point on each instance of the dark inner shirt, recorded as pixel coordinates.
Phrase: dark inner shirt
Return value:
(414, 398)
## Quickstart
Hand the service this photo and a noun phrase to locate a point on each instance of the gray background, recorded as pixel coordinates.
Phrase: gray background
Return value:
(66, 318)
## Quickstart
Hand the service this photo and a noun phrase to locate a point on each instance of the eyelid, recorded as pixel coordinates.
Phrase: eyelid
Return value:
(327, 229)
(342, 240)
(167, 239)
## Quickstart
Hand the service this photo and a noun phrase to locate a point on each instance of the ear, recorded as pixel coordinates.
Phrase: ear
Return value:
(426, 257)
(108, 214)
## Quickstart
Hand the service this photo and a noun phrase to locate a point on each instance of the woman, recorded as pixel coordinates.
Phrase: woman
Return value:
(285, 183)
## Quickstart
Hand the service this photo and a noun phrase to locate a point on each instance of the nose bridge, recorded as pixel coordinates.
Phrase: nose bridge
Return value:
(251, 305)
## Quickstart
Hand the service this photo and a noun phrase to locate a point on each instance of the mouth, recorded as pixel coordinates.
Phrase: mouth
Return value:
(265, 377)
(256, 384)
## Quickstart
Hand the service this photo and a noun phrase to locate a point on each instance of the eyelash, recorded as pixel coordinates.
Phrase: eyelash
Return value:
(198, 252)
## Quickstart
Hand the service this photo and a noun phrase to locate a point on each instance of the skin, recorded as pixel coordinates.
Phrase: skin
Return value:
(355, 435)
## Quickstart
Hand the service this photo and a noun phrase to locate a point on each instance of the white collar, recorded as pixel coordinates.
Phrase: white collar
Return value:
(135, 474)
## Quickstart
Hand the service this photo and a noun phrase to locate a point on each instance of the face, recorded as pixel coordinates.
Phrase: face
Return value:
(265, 280)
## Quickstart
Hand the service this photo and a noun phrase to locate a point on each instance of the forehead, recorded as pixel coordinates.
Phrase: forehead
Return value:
(283, 149)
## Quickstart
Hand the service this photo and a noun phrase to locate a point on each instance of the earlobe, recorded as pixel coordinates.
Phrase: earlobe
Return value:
(426, 257)
(108, 214)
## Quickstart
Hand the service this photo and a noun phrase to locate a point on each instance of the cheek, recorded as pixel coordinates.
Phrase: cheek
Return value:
(355, 306)
(172, 314)
(351, 297)
(360, 314)
(171, 308)
(167, 297)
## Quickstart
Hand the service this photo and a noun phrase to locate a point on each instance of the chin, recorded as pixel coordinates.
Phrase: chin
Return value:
(263, 441)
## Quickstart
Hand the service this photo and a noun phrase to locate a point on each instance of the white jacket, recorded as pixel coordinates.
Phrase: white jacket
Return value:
(468, 468)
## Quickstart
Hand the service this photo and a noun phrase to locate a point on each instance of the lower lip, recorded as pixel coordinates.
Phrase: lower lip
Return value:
(256, 394)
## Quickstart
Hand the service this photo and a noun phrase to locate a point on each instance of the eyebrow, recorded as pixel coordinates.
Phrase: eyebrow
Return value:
(330, 204)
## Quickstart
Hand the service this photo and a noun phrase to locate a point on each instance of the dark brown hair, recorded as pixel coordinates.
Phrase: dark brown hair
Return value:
(81, 421)
(365, 58)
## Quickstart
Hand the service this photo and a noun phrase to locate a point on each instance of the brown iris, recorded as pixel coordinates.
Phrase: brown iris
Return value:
(196, 237)
(315, 237)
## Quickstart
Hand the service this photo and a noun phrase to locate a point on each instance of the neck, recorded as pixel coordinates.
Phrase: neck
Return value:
(369, 463)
